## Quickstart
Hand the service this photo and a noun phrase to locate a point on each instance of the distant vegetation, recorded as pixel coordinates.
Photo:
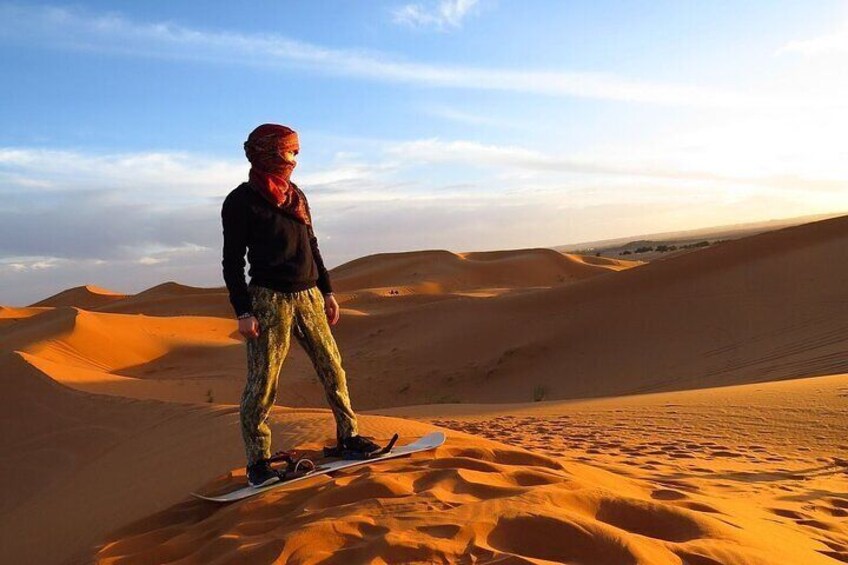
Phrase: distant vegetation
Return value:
(665, 248)
(539, 393)
(659, 248)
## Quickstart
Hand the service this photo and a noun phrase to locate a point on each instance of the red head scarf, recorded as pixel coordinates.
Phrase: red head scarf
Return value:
(270, 173)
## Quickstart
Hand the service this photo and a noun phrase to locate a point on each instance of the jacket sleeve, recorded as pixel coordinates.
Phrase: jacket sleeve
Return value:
(324, 284)
(233, 263)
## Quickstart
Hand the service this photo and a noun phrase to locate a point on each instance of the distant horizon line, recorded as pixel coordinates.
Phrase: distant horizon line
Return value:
(786, 222)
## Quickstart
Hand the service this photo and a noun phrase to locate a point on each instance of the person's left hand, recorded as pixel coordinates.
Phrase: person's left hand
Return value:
(331, 307)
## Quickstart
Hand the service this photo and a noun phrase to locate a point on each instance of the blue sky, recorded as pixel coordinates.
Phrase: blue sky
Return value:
(439, 124)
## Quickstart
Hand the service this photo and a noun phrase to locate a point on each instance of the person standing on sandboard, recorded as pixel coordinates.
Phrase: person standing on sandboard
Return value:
(289, 291)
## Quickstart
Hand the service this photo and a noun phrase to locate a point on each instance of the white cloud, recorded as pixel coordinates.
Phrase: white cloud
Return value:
(151, 175)
(512, 197)
(345, 170)
(832, 43)
(720, 155)
(468, 118)
(28, 264)
(154, 215)
(440, 15)
(69, 29)
(744, 152)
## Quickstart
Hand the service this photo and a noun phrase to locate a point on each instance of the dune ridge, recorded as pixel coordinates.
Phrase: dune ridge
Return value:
(11, 314)
(435, 271)
(87, 296)
(173, 299)
(661, 326)
(762, 308)
(112, 342)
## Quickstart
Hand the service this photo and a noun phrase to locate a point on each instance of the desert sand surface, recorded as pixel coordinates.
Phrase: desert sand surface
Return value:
(745, 474)
(777, 449)
(10, 314)
(441, 271)
(690, 410)
(768, 307)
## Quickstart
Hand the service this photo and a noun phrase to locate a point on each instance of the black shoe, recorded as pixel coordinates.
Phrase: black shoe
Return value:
(359, 444)
(261, 473)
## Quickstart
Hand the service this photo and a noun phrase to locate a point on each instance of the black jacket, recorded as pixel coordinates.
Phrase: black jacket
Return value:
(282, 252)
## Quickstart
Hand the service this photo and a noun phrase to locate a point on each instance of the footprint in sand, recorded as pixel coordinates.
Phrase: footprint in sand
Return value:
(667, 494)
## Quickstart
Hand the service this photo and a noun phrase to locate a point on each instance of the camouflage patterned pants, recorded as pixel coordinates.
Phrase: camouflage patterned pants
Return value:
(279, 314)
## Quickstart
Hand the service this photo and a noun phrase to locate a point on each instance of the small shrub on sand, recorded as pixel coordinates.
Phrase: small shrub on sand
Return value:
(539, 393)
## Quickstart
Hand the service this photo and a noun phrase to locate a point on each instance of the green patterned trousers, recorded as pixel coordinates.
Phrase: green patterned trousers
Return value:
(279, 315)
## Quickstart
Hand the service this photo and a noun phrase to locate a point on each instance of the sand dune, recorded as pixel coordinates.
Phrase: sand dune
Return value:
(767, 307)
(167, 358)
(762, 308)
(76, 464)
(442, 271)
(68, 465)
(88, 297)
(181, 358)
(10, 314)
(171, 353)
(116, 342)
(472, 497)
(410, 278)
(166, 299)
(174, 299)
(395, 282)
(769, 451)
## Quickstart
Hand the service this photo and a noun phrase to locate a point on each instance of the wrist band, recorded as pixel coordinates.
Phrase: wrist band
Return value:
(244, 315)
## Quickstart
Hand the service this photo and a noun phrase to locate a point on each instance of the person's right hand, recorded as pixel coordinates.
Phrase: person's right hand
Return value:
(249, 327)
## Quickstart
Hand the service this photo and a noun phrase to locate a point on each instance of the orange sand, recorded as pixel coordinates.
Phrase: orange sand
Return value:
(115, 407)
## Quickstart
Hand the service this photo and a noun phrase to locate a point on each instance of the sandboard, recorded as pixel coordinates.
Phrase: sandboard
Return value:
(425, 443)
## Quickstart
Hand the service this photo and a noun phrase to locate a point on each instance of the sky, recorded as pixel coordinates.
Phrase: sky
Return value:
(466, 125)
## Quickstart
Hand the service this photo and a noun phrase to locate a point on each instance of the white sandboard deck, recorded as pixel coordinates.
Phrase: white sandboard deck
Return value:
(425, 443)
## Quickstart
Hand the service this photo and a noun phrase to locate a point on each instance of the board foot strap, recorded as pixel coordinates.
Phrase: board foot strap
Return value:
(339, 451)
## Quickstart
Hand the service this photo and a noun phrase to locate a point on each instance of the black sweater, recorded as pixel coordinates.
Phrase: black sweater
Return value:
(282, 252)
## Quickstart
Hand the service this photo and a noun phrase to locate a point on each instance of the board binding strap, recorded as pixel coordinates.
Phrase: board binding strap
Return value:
(390, 451)
(340, 452)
